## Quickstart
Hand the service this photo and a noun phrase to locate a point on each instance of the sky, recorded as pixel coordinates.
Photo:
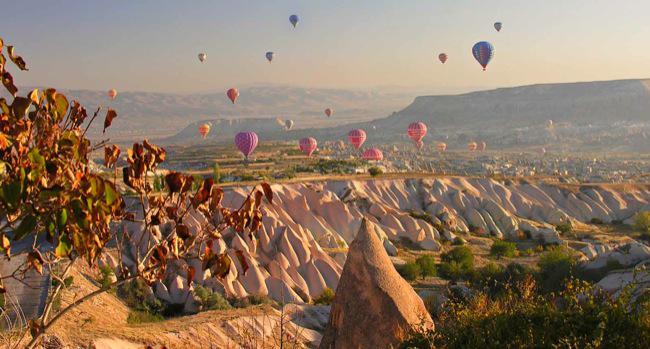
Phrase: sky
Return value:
(152, 45)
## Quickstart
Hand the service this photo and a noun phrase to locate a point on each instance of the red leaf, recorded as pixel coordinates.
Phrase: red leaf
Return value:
(110, 115)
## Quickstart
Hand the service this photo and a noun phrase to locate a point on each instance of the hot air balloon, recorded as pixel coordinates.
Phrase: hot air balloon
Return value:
(549, 123)
(329, 112)
(417, 131)
(471, 146)
(294, 20)
(483, 52)
(204, 129)
(203, 57)
(246, 142)
(357, 137)
(112, 93)
(233, 93)
(441, 146)
(288, 124)
(269, 56)
(541, 151)
(482, 146)
(498, 26)
(308, 145)
(442, 57)
(373, 154)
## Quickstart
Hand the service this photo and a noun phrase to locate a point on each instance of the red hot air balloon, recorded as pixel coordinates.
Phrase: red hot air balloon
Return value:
(204, 129)
(417, 131)
(441, 146)
(232, 94)
(471, 146)
(112, 93)
(357, 137)
(373, 154)
(308, 145)
(246, 142)
(442, 57)
(482, 146)
(329, 112)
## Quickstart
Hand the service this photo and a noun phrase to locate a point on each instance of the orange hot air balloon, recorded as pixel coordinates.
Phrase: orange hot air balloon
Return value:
(471, 146)
(112, 93)
(441, 146)
(204, 129)
(232, 94)
(329, 112)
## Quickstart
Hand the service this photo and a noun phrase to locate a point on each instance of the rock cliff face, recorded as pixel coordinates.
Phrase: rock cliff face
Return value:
(374, 307)
(300, 248)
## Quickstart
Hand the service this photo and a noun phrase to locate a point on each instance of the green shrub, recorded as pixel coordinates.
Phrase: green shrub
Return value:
(375, 171)
(502, 248)
(427, 265)
(556, 266)
(528, 252)
(137, 297)
(564, 228)
(142, 317)
(325, 298)
(209, 300)
(596, 221)
(410, 271)
(461, 254)
(642, 221)
(107, 276)
(457, 264)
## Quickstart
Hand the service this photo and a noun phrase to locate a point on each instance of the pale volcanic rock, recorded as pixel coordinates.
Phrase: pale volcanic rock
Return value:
(627, 255)
(374, 307)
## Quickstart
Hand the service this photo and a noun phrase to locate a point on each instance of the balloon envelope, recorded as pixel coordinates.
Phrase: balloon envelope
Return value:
(373, 154)
(288, 124)
(417, 131)
(246, 142)
(483, 52)
(204, 130)
(541, 151)
(329, 112)
(498, 26)
(308, 145)
(112, 93)
(203, 57)
(357, 137)
(269, 56)
(232, 94)
(442, 57)
(471, 146)
(441, 146)
(294, 20)
(482, 146)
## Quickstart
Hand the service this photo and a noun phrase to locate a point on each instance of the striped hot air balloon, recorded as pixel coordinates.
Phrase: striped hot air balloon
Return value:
(417, 131)
(308, 145)
(357, 138)
(204, 129)
(483, 52)
(373, 154)
(246, 142)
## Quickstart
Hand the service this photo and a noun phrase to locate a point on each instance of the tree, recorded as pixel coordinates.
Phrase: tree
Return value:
(216, 173)
(502, 248)
(49, 196)
(642, 221)
(410, 271)
(427, 265)
(375, 171)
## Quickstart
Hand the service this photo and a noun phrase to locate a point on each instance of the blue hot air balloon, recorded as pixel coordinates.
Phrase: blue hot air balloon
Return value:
(483, 52)
(269, 56)
(294, 20)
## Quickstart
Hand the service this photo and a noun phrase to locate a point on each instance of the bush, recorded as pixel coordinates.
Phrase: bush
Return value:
(209, 300)
(457, 264)
(596, 221)
(555, 267)
(410, 271)
(141, 317)
(528, 252)
(502, 248)
(137, 297)
(642, 221)
(375, 171)
(462, 255)
(564, 228)
(427, 265)
(325, 298)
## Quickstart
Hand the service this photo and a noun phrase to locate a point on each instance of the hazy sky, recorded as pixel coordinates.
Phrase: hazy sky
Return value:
(152, 45)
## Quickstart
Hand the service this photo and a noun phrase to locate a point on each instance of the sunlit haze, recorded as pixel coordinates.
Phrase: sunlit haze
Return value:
(153, 45)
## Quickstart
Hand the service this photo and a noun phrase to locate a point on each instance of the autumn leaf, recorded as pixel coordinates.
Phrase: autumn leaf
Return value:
(110, 115)
(222, 267)
(18, 61)
(8, 82)
(267, 192)
(35, 259)
(4, 142)
(190, 273)
(5, 245)
(242, 260)
(174, 181)
(183, 231)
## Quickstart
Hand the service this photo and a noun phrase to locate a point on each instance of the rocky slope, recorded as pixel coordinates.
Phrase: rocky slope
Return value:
(300, 249)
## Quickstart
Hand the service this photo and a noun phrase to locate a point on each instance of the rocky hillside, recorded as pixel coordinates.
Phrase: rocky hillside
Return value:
(301, 247)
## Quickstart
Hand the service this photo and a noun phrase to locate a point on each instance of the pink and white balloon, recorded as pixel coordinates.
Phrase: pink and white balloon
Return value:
(308, 145)
(246, 142)
(357, 138)
(416, 131)
(373, 154)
